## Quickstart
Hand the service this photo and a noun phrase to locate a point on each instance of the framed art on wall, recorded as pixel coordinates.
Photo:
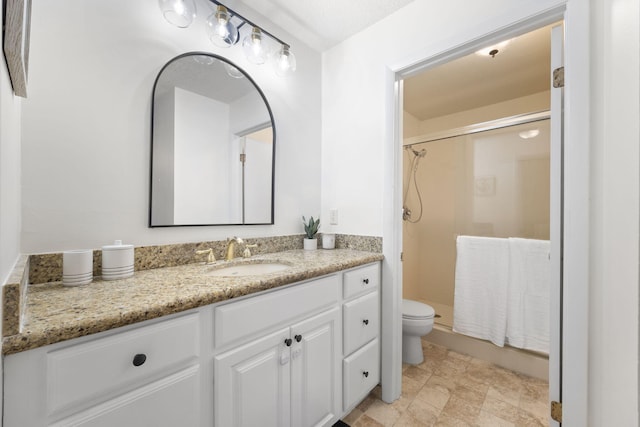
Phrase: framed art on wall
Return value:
(16, 43)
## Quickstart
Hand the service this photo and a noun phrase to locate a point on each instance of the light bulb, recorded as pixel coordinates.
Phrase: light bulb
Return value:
(253, 47)
(220, 30)
(180, 13)
(285, 61)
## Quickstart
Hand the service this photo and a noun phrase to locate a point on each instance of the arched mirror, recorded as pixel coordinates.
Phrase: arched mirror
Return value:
(213, 145)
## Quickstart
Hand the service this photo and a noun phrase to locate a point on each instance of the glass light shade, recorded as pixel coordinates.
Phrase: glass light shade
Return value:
(233, 71)
(204, 59)
(220, 30)
(254, 48)
(285, 62)
(180, 13)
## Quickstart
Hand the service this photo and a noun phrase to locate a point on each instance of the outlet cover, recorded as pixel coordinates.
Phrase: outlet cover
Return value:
(333, 216)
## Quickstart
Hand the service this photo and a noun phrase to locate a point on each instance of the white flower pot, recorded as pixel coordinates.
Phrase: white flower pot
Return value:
(310, 244)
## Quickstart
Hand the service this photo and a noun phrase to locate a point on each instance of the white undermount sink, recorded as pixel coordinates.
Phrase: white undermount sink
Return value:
(253, 269)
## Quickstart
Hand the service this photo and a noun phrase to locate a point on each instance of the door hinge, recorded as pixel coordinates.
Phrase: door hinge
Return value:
(558, 77)
(401, 256)
(556, 411)
(243, 157)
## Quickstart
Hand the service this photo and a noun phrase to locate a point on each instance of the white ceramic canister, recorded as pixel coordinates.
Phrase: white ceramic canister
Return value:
(77, 267)
(328, 241)
(117, 261)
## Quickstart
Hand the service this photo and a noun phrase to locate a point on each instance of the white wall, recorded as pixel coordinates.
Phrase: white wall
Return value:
(201, 169)
(356, 98)
(615, 184)
(86, 125)
(9, 182)
(9, 175)
(354, 93)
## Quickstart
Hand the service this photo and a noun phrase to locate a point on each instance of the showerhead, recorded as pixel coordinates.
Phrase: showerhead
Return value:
(417, 153)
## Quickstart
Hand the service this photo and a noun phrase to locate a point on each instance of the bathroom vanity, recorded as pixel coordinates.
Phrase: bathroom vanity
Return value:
(298, 347)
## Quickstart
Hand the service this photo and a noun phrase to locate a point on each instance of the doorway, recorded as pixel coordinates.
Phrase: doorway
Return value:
(394, 272)
(480, 125)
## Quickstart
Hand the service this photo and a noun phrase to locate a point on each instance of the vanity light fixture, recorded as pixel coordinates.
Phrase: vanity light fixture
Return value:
(180, 13)
(285, 62)
(223, 29)
(220, 29)
(254, 48)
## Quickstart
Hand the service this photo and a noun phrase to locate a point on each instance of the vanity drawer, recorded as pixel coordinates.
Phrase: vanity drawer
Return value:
(99, 369)
(237, 321)
(361, 321)
(361, 374)
(361, 280)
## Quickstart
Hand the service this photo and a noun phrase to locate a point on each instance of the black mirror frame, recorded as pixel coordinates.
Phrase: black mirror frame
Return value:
(273, 155)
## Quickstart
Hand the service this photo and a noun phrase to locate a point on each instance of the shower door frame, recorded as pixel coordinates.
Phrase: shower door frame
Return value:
(575, 303)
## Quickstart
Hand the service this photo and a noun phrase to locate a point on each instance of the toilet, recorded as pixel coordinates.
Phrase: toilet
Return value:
(417, 321)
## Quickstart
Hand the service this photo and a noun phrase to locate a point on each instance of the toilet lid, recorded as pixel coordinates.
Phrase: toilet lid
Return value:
(416, 310)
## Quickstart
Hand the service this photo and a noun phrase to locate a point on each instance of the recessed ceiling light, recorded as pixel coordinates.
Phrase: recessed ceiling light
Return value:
(492, 50)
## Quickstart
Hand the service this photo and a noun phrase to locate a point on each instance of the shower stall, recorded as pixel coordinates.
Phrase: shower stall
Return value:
(489, 180)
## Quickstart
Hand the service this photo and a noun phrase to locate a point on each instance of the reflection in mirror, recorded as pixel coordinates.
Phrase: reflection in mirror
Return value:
(213, 145)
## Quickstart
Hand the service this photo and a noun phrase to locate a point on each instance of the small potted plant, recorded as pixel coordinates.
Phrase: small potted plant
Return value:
(310, 230)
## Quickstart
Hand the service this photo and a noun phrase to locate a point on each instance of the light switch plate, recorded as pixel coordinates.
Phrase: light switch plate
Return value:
(333, 216)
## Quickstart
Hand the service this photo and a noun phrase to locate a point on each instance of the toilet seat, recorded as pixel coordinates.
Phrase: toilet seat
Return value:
(416, 310)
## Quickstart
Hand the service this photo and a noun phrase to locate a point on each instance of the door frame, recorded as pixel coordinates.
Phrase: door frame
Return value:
(575, 15)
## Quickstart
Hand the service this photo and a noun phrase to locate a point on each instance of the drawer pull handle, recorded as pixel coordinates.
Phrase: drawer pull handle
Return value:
(139, 359)
(365, 281)
(365, 321)
(366, 374)
(288, 342)
(298, 338)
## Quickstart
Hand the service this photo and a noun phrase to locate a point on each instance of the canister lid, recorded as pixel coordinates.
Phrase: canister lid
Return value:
(117, 246)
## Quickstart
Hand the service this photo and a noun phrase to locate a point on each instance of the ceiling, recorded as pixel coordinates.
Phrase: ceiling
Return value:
(520, 68)
(204, 75)
(323, 24)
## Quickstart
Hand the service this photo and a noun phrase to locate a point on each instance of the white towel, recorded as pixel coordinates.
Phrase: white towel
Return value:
(528, 297)
(480, 301)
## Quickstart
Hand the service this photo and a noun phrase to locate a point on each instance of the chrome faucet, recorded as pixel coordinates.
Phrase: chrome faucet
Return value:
(231, 247)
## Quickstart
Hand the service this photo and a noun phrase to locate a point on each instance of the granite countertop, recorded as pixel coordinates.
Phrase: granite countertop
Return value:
(57, 313)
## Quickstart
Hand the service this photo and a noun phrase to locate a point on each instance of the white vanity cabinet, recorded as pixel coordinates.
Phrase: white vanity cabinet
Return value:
(291, 376)
(300, 355)
(146, 375)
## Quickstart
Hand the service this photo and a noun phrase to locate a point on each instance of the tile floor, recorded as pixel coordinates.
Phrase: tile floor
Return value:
(452, 389)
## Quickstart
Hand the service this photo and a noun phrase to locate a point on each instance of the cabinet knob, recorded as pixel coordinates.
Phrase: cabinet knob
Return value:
(365, 321)
(365, 374)
(365, 281)
(139, 359)
(288, 342)
(298, 338)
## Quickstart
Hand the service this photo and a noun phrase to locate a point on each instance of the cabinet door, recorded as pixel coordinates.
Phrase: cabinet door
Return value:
(252, 384)
(316, 370)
